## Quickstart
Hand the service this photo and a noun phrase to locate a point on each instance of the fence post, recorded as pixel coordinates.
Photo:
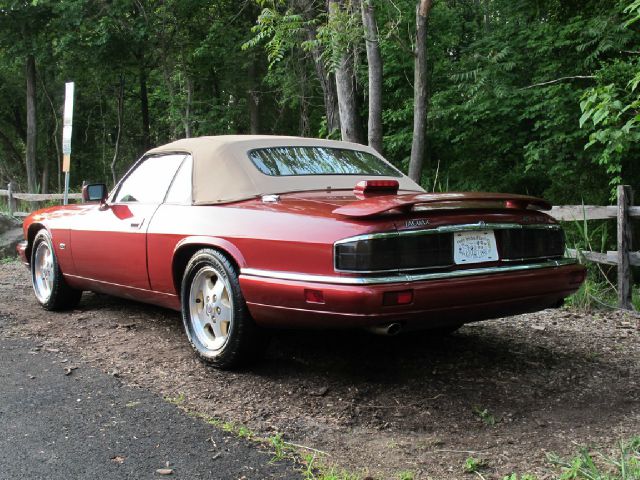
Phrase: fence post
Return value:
(10, 200)
(625, 200)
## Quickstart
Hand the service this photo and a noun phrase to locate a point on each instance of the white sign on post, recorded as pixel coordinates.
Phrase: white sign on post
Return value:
(66, 136)
(66, 143)
(68, 120)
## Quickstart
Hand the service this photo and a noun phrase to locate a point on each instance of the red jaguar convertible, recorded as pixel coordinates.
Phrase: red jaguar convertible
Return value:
(242, 233)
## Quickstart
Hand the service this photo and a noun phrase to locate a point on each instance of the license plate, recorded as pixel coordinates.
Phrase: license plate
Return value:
(474, 247)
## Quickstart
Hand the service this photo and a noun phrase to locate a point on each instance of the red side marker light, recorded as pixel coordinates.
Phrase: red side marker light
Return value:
(376, 186)
(403, 297)
(313, 296)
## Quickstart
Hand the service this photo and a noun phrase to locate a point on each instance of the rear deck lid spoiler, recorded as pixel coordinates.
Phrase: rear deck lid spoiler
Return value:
(371, 206)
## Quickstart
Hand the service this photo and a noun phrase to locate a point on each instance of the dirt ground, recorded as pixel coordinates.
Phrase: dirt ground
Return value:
(507, 391)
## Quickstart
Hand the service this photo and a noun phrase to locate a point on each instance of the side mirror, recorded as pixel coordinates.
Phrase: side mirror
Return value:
(94, 192)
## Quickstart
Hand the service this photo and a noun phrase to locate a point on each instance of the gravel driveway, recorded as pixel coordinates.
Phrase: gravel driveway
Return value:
(507, 391)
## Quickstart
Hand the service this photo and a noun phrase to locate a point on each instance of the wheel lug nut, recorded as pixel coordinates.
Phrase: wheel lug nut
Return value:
(218, 310)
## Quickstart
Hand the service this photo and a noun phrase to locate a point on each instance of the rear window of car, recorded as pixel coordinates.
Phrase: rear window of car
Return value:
(287, 161)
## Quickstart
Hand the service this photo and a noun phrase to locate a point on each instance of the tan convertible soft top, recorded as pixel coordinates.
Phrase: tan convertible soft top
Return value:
(223, 172)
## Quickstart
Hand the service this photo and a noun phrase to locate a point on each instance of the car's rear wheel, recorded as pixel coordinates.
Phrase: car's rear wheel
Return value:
(49, 285)
(215, 315)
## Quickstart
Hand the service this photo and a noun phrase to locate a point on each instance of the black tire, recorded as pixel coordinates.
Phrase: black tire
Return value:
(204, 311)
(49, 286)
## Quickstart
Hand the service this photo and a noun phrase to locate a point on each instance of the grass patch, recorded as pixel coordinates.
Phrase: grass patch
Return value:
(178, 400)
(406, 475)
(473, 465)
(599, 289)
(595, 465)
(316, 469)
(485, 415)
(279, 447)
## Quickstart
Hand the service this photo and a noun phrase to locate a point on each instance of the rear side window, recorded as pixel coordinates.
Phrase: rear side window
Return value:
(180, 189)
(287, 161)
(149, 181)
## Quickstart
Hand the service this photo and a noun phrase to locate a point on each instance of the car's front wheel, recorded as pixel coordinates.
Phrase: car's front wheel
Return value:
(49, 285)
(215, 315)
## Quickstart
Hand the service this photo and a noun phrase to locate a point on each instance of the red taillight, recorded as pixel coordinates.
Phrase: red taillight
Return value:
(403, 297)
(313, 296)
(376, 186)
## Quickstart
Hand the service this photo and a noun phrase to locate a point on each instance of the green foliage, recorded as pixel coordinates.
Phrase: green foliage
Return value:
(280, 32)
(279, 447)
(599, 289)
(316, 469)
(483, 414)
(625, 465)
(177, 400)
(611, 110)
(473, 465)
(340, 35)
(406, 475)
(517, 89)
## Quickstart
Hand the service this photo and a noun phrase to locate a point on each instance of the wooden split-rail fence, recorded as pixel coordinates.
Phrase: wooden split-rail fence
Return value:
(13, 196)
(624, 258)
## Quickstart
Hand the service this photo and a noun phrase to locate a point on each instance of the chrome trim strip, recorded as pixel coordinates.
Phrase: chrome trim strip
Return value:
(402, 278)
(395, 270)
(528, 259)
(448, 229)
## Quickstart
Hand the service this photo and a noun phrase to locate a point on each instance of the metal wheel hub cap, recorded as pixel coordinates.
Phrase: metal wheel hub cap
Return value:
(210, 308)
(43, 272)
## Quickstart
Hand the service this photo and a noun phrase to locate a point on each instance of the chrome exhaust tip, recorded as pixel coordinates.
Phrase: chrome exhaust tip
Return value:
(389, 330)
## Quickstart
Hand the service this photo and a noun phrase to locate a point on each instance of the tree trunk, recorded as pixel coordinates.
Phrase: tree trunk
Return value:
(374, 60)
(325, 77)
(187, 109)
(54, 137)
(328, 85)
(253, 99)
(120, 111)
(31, 124)
(305, 122)
(44, 188)
(144, 109)
(346, 101)
(418, 145)
(345, 89)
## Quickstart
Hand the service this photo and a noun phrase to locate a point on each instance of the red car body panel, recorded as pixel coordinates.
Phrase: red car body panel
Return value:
(133, 250)
(435, 302)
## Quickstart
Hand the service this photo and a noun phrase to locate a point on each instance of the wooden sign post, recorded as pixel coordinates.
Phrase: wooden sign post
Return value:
(66, 137)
